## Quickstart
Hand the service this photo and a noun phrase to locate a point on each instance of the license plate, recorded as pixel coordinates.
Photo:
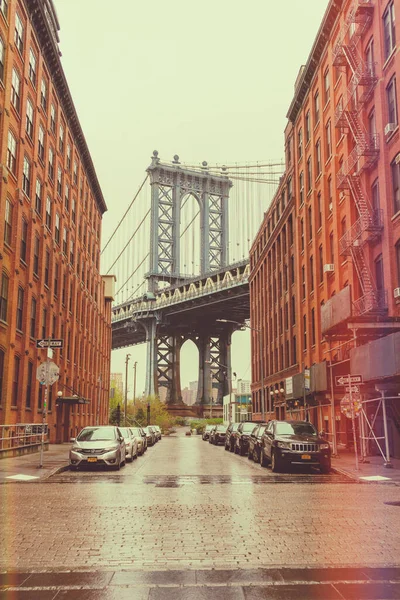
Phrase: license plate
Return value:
(306, 456)
(92, 459)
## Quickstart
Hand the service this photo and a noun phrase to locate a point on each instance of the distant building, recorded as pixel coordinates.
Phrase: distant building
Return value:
(193, 387)
(243, 386)
(162, 393)
(117, 383)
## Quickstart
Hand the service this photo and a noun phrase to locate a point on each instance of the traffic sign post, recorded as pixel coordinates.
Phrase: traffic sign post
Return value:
(49, 343)
(353, 394)
(47, 373)
(348, 380)
(353, 424)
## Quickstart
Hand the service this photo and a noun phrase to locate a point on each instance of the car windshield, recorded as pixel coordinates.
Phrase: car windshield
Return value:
(135, 431)
(295, 429)
(221, 428)
(235, 426)
(209, 427)
(94, 434)
(248, 427)
(125, 431)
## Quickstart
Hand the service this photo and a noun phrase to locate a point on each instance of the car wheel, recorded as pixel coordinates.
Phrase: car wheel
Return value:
(325, 469)
(242, 451)
(226, 447)
(250, 455)
(275, 462)
(263, 459)
(117, 466)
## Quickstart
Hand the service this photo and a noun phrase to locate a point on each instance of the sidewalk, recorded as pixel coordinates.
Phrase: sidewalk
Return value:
(374, 470)
(26, 468)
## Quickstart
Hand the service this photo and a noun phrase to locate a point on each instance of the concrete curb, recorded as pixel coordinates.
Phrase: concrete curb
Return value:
(55, 471)
(346, 473)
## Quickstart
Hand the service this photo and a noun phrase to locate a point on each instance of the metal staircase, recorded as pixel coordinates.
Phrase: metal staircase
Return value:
(364, 154)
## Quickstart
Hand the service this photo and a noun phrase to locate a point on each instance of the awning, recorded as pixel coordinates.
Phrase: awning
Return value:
(72, 400)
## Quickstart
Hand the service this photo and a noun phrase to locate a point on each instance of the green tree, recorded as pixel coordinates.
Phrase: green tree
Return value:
(116, 398)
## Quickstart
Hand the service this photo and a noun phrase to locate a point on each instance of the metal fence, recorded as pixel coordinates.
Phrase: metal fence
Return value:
(21, 434)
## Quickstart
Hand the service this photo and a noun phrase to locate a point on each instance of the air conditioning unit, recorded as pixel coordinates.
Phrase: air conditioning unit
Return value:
(396, 292)
(389, 128)
(329, 268)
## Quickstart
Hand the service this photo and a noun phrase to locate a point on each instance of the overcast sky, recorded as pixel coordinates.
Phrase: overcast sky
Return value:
(209, 80)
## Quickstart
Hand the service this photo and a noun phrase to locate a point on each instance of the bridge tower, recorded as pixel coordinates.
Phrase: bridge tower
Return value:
(170, 183)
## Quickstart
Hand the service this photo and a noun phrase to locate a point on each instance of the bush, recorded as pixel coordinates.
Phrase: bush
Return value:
(200, 424)
(180, 421)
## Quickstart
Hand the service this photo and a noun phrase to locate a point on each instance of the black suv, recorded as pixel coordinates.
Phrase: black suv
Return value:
(230, 436)
(217, 435)
(286, 443)
(255, 442)
(242, 437)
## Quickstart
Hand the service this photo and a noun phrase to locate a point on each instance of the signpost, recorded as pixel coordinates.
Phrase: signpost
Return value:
(352, 396)
(47, 373)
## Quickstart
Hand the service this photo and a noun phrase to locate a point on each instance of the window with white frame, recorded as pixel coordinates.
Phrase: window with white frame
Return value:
(68, 157)
(15, 90)
(32, 67)
(65, 240)
(327, 86)
(73, 210)
(59, 181)
(43, 95)
(391, 97)
(24, 239)
(395, 168)
(318, 161)
(66, 197)
(75, 172)
(301, 188)
(300, 142)
(41, 135)
(53, 118)
(19, 34)
(26, 177)
(51, 163)
(316, 108)
(29, 118)
(57, 228)
(4, 7)
(309, 174)
(11, 153)
(2, 52)
(48, 212)
(328, 139)
(61, 139)
(36, 252)
(8, 222)
(38, 197)
(369, 58)
(71, 252)
(308, 127)
(389, 31)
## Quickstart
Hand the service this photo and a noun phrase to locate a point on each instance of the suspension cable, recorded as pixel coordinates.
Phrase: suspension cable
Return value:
(132, 274)
(129, 241)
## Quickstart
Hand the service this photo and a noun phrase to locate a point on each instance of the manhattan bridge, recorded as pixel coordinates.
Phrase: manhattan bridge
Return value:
(180, 255)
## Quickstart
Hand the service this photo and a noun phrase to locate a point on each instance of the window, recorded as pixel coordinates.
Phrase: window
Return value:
(302, 234)
(65, 240)
(309, 175)
(26, 177)
(51, 163)
(303, 282)
(313, 337)
(19, 34)
(1, 60)
(304, 332)
(375, 195)
(311, 274)
(308, 127)
(389, 32)
(330, 198)
(41, 143)
(310, 227)
(319, 207)
(11, 153)
(395, 186)
(32, 327)
(289, 150)
(292, 269)
(289, 189)
(321, 264)
(43, 95)
(52, 118)
(294, 350)
(369, 58)
(29, 118)
(290, 230)
(66, 197)
(318, 158)
(24, 239)
(8, 222)
(380, 284)
(29, 385)
(20, 308)
(4, 7)
(2, 355)
(44, 321)
(327, 86)
(15, 383)
(328, 139)
(316, 108)
(36, 250)
(32, 67)
(71, 252)
(48, 212)
(301, 186)
(300, 142)
(331, 247)
(15, 90)
(4, 297)
(68, 157)
(391, 98)
(59, 181)
(397, 248)
(56, 279)
(38, 197)
(343, 226)
(61, 139)
(73, 210)
(57, 228)
(75, 172)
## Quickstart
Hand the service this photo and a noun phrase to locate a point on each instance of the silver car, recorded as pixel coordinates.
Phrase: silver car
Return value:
(102, 445)
(139, 438)
(131, 443)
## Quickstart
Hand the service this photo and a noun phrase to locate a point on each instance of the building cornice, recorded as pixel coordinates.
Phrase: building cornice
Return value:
(305, 79)
(45, 26)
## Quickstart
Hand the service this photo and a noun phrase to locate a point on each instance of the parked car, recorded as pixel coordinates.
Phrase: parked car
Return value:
(206, 432)
(230, 437)
(153, 429)
(242, 437)
(286, 443)
(255, 442)
(103, 445)
(150, 436)
(131, 445)
(144, 437)
(140, 439)
(217, 435)
(158, 432)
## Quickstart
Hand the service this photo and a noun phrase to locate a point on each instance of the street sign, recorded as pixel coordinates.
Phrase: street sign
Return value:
(307, 379)
(351, 408)
(47, 373)
(46, 343)
(354, 389)
(347, 379)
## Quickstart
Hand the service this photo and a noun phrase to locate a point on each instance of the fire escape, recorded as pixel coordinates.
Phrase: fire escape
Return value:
(363, 154)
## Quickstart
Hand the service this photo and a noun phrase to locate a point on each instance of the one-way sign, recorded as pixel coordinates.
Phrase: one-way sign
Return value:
(347, 379)
(46, 343)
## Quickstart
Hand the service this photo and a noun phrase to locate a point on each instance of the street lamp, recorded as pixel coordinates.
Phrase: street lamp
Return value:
(126, 386)
(259, 331)
(134, 381)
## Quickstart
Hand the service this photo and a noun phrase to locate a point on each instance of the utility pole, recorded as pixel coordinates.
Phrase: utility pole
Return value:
(134, 382)
(126, 386)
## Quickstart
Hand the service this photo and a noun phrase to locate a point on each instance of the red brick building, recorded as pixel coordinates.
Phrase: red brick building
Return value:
(342, 161)
(51, 207)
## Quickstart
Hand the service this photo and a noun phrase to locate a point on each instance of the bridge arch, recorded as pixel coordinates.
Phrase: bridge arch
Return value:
(190, 217)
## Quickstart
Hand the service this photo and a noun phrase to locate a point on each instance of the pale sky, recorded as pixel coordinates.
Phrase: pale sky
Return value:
(208, 80)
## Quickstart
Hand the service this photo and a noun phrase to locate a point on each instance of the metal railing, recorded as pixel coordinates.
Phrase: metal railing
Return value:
(21, 435)
(374, 301)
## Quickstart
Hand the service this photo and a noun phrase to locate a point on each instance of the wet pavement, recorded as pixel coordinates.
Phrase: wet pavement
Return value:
(222, 525)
